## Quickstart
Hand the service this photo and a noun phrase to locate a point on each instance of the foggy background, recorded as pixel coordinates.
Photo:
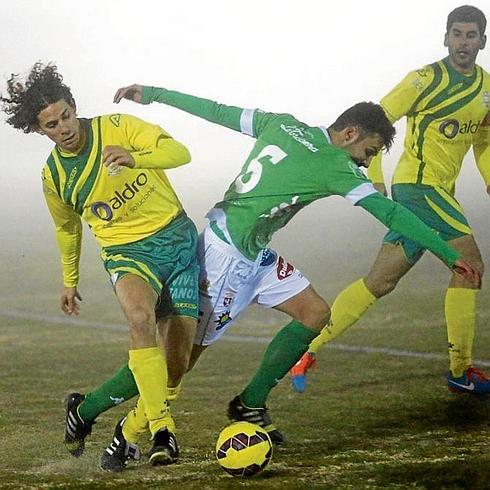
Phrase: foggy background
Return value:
(311, 58)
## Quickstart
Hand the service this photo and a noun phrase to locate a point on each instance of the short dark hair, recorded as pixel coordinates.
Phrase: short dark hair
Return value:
(44, 86)
(370, 118)
(467, 13)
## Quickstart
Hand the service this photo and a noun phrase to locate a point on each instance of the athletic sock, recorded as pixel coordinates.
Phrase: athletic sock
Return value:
(460, 309)
(348, 307)
(136, 423)
(119, 388)
(150, 373)
(282, 353)
(173, 393)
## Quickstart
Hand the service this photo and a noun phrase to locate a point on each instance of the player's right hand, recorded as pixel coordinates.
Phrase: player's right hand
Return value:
(464, 268)
(133, 92)
(69, 301)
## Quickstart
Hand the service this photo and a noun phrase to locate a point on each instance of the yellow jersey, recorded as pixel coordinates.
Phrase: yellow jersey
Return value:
(121, 208)
(447, 112)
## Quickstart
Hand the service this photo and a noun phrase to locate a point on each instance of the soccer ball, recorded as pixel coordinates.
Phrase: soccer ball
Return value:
(243, 449)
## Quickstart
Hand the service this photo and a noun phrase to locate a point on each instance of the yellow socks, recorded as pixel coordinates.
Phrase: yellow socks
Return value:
(348, 307)
(136, 423)
(150, 373)
(173, 393)
(460, 309)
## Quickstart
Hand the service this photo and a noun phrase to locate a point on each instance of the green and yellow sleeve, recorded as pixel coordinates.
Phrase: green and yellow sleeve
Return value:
(153, 147)
(481, 149)
(397, 103)
(68, 228)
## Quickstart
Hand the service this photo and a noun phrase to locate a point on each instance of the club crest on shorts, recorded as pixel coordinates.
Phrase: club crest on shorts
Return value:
(284, 269)
(222, 320)
(228, 300)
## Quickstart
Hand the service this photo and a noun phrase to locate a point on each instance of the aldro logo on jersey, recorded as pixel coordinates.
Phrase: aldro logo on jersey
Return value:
(450, 128)
(105, 211)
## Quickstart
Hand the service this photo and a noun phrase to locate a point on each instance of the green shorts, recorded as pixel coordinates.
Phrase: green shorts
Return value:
(167, 261)
(436, 208)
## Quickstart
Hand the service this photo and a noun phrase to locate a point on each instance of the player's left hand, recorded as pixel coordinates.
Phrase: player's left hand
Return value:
(133, 92)
(118, 156)
(464, 268)
(69, 301)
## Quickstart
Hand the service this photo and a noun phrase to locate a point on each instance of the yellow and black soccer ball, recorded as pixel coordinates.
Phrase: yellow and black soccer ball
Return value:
(243, 449)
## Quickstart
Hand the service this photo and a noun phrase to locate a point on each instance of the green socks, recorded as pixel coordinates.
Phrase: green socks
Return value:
(282, 353)
(119, 388)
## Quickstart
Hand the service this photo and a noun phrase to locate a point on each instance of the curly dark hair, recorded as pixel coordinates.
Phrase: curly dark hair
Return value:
(44, 86)
(370, 118)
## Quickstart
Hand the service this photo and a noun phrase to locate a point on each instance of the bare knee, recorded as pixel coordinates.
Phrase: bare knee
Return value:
(142, 325)
(316, 314)
(458, 280)
(380, 286)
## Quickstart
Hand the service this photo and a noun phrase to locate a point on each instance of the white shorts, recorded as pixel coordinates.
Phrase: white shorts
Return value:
(229, 282)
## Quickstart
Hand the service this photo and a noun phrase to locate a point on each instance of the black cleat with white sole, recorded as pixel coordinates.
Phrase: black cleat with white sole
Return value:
(164, 450)
(239, 412)
(119, 452)
(76, 429)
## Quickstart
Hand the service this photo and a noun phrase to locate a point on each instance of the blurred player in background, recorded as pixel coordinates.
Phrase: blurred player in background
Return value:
(447, 107)
(109, 171)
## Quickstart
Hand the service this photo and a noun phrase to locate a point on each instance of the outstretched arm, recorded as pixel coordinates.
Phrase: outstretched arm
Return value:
(399, 219)
(222, 114)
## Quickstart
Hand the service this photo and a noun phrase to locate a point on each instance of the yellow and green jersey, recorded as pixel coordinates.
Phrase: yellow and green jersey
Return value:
(447, 113)
(119, 209)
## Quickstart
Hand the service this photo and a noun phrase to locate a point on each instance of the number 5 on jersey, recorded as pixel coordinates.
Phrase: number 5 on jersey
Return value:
(253, 171)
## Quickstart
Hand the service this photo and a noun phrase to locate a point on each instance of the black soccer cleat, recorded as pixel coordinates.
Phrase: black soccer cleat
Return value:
(76, 429)
(119, 451)
(165, 450)
(239, 412)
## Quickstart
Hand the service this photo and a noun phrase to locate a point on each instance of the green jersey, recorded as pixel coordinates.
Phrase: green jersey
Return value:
(290, 166)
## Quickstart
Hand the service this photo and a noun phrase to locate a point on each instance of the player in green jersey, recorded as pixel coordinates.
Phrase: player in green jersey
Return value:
(109, 171)
(447, 107)
(290, 166)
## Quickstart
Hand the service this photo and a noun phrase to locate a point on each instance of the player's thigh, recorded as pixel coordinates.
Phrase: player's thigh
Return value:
(176, 259)
(283, 286)
(390, 265)
(226, 287)
(307, 307)
(137, 299)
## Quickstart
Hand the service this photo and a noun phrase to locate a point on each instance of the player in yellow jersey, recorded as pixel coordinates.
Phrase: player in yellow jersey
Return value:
(109, 171)
(447, 108)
